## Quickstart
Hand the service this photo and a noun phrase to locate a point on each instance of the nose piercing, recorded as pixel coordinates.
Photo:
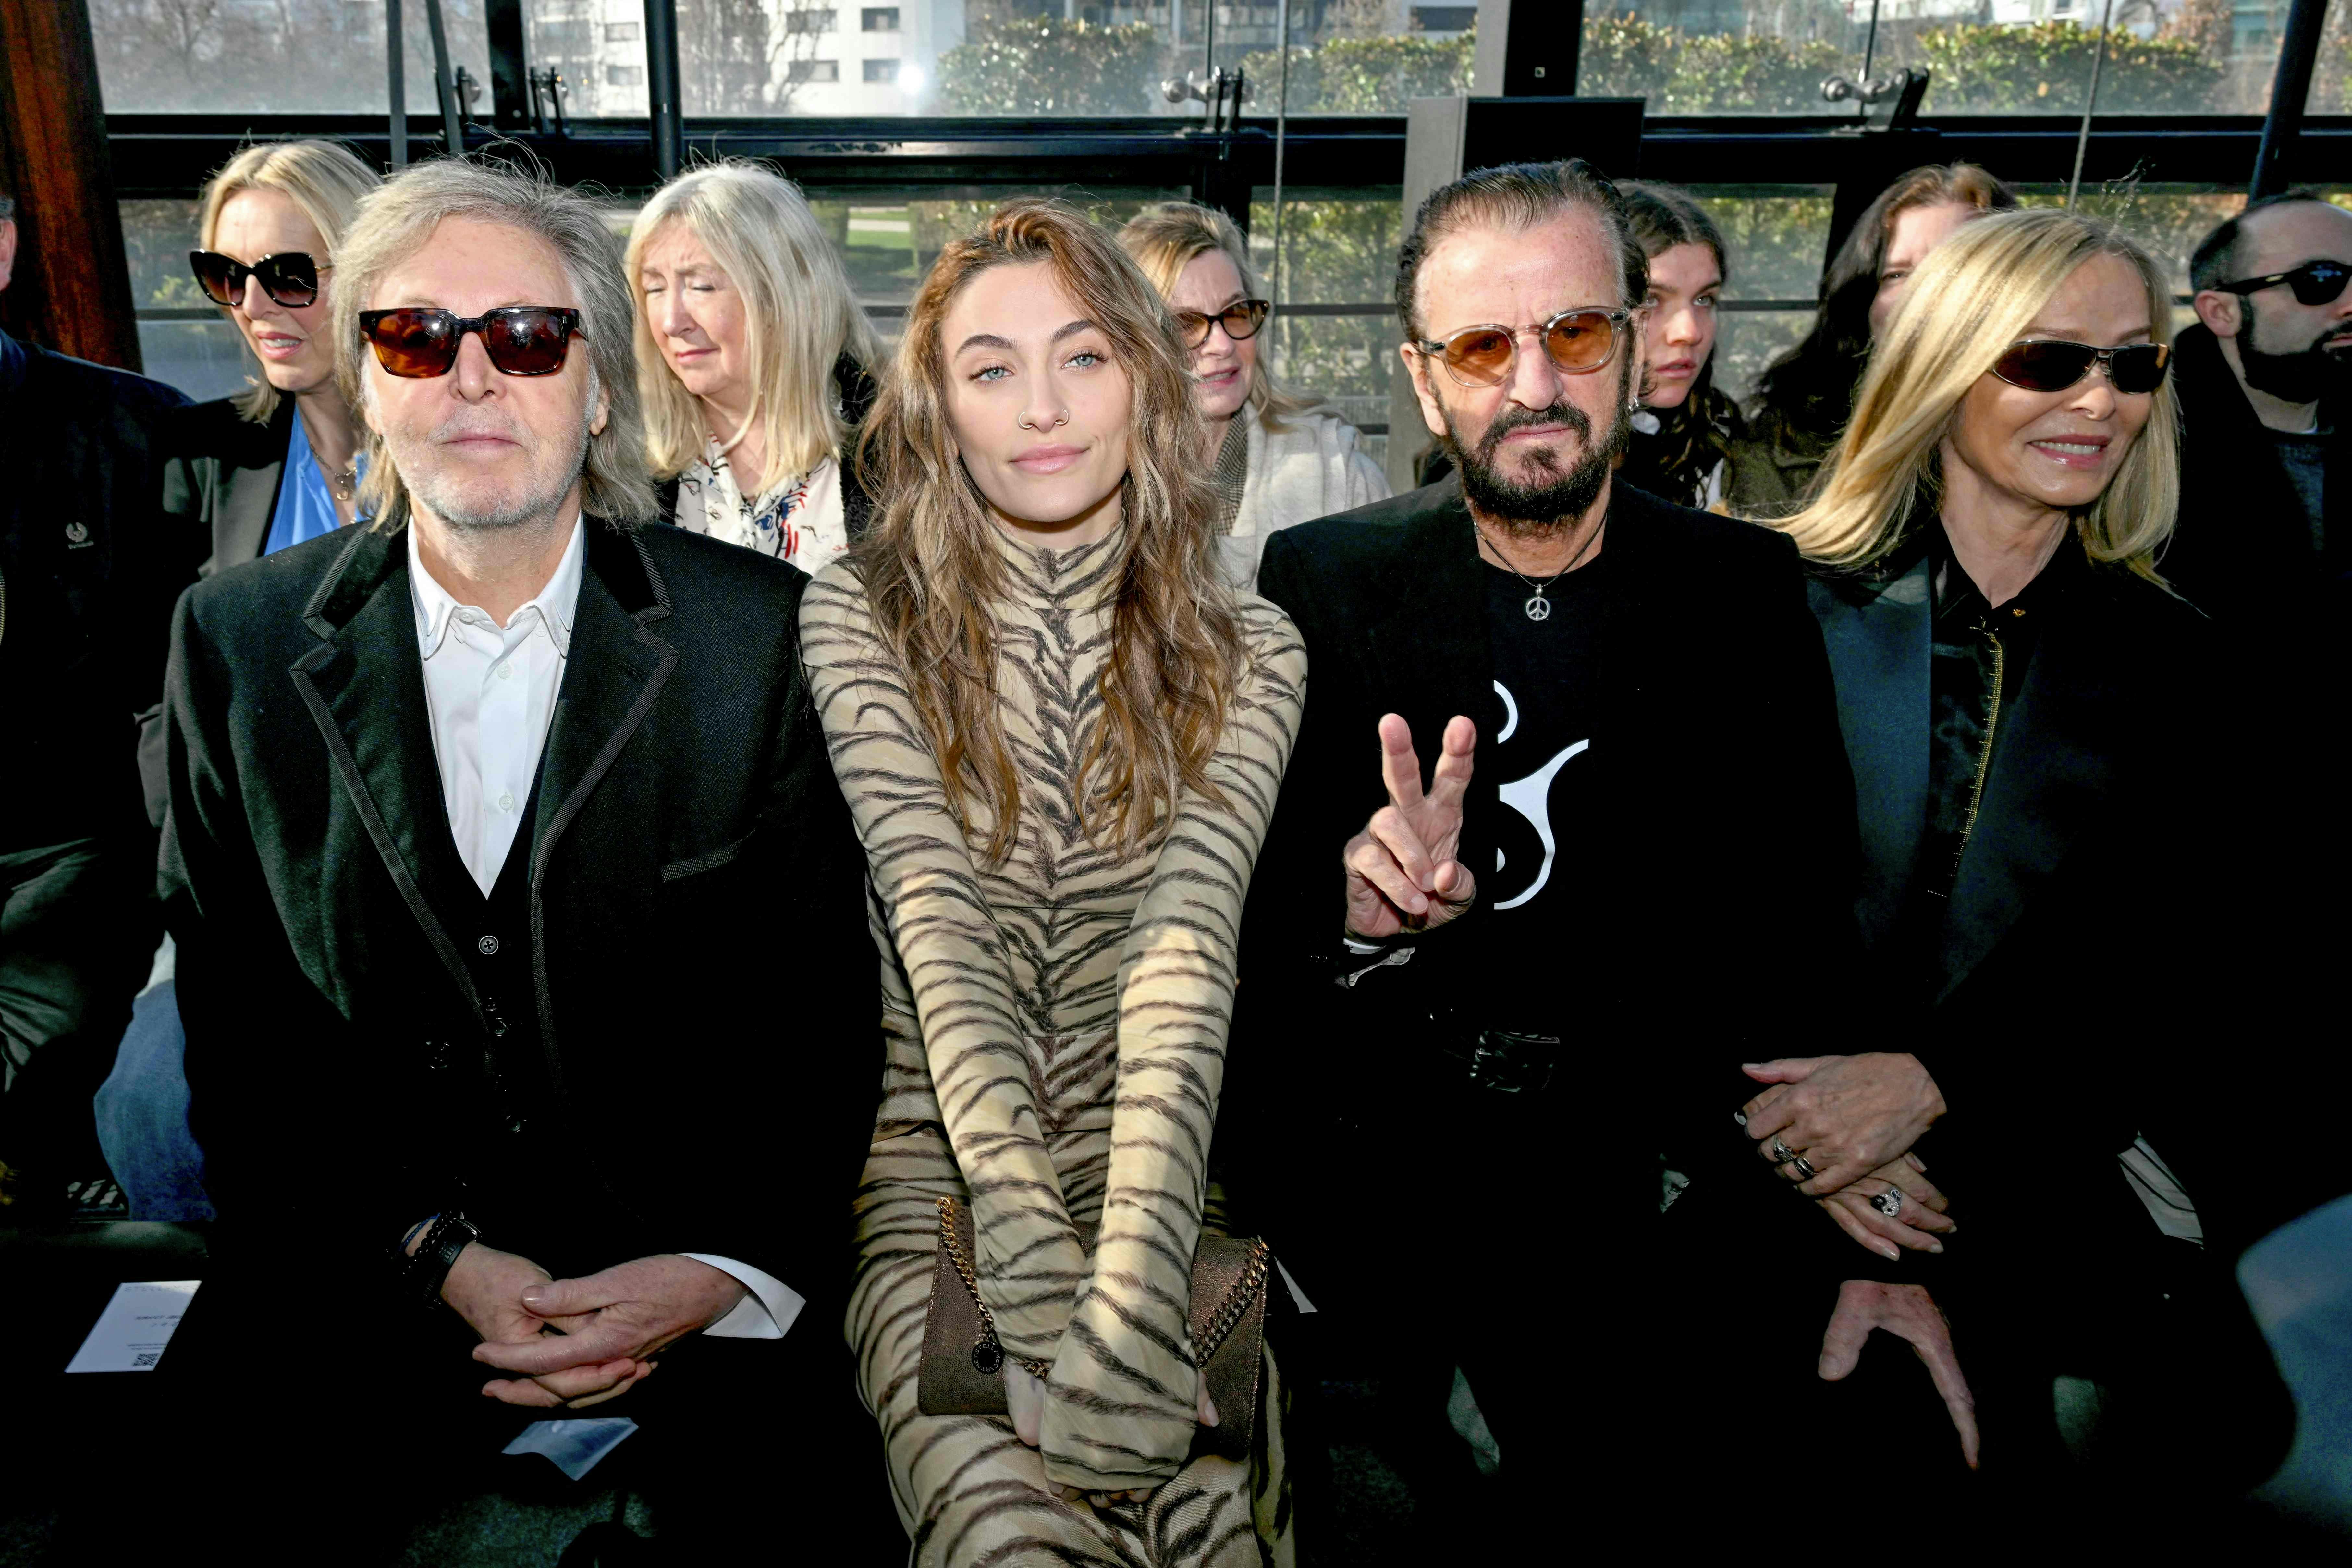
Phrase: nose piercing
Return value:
(1061, 417)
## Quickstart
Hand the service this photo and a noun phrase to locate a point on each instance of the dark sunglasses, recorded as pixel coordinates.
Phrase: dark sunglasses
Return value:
(1241, 321)
(2313, 282)
(2048, 365)
(521, 339)
(291, 277)
(1580, 340)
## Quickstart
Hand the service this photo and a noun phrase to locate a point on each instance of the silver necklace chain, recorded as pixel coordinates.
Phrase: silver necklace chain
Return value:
(1537, 607)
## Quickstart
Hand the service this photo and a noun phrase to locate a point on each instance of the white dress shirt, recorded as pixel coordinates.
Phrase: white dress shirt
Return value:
(490, 694)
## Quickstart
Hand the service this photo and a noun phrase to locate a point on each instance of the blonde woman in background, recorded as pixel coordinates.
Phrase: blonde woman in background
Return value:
(2050, 752)
(753, 360)
(279, 462)
(1275, 459)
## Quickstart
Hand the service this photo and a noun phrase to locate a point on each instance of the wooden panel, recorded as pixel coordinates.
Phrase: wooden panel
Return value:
(72, 286)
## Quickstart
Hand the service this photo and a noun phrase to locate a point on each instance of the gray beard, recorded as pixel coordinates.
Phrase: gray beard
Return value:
(528, 508)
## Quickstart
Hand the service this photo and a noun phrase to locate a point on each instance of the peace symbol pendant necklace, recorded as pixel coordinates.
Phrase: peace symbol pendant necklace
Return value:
(1537, 607)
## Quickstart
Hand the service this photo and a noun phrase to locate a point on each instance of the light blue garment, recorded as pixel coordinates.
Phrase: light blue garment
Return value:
(306, 508)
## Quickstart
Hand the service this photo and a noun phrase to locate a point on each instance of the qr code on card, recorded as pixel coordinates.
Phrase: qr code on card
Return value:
(142, 1360)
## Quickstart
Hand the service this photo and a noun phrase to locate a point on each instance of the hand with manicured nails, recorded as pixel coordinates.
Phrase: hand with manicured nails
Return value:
(1916, 1224)
(1848, 1115)
(1402, 873)
(1910, 1314)
(622, 1317)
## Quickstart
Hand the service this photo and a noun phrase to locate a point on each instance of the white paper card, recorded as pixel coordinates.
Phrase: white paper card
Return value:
(130, 1334)
(573, 1446)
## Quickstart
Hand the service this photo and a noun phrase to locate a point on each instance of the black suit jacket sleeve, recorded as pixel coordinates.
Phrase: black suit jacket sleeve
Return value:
(774, 979)
(245, 1003)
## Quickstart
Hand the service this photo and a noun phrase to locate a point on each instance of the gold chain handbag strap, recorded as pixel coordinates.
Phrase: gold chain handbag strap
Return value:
(1229, 1312)
(988, 1355)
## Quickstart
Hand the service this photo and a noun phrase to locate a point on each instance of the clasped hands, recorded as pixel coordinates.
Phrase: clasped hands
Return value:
(1024, 1401)
(1853, 1120)
(575, 1343)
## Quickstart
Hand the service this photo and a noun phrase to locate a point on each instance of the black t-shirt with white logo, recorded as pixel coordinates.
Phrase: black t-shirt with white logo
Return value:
(1547, 673)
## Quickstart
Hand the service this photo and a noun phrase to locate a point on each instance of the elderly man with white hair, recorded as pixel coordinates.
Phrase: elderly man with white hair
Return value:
(490, 823)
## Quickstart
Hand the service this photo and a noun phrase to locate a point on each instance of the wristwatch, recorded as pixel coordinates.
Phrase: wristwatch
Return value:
(429, 1265)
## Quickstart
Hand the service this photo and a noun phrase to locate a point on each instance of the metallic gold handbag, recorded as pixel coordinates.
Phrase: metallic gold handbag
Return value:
(963, 1361)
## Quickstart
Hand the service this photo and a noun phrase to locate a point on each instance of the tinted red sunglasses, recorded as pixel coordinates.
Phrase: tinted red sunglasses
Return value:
(420, 340)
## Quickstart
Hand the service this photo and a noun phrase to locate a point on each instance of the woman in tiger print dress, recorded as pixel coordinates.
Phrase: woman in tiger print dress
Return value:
(1061, 733)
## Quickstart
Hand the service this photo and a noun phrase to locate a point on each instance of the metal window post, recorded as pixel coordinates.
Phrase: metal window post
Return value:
(2297, 51)
(445, 87)
(661, 87)
(396, 71)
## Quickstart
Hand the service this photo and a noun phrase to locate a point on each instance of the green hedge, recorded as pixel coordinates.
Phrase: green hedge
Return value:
(1046, 65)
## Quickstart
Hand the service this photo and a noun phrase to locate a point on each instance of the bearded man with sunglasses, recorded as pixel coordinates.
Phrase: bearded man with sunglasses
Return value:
(483, 817)
(2266, 473)
(1500, 970)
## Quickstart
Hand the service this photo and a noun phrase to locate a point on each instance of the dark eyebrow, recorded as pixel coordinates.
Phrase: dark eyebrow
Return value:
(984, 341)
(1074, 329)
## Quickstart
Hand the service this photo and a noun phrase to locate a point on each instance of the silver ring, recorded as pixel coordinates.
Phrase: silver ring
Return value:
(1781, 1152)
(1888, 1203)
(1804, 1168)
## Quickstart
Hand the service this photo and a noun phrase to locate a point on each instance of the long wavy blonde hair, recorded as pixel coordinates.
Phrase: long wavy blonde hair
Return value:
(799, 317)
(932, 572)
(1164, 239)
(325, 180)
(1976, 294)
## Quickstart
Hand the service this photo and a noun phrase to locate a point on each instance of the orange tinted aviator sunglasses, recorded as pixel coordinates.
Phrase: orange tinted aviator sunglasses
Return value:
(1580, 340)
(521, 339)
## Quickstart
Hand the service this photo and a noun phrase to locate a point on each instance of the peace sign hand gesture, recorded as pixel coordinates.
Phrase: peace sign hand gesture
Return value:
(1402, 874)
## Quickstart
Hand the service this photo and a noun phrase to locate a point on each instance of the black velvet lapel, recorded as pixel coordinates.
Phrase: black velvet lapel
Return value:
(1880, 645)
(364, 688)
(2053, 765)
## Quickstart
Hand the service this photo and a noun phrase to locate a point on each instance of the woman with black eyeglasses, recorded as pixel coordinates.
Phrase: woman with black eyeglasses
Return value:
(2059, 894)
(279, 462)
(1276, 459)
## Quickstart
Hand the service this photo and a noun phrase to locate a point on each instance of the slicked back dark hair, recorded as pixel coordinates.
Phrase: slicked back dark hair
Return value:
(2215, 260)
(1519, 196)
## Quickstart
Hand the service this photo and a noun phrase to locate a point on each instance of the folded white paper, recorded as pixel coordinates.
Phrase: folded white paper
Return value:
(130, 1334)
(575, 1446)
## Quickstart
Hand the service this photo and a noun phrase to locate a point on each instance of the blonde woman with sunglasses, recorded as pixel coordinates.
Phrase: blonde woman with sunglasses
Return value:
(279, 462)
(2046, 745)
(1275, 458)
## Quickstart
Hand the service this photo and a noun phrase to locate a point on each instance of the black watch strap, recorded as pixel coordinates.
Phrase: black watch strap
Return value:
(429, 1265)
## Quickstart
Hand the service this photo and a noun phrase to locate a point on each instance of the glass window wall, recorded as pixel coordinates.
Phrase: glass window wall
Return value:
(288, 57)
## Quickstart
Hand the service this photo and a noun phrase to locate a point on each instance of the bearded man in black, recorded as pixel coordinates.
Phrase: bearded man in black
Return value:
(1490, 982)
(2265, 531)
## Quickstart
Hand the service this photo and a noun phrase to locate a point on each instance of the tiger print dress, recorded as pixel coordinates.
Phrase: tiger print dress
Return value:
(1054, 1029)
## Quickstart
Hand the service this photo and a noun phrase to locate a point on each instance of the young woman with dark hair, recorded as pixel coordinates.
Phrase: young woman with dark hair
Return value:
(1805, 397)
(1681, 444)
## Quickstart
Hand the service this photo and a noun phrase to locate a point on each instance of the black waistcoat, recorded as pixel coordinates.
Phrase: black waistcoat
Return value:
(492, 1083)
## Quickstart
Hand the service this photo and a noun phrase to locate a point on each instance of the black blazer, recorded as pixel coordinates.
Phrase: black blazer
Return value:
(2133, 890)
(221, 483)
(2242, 550)
(87, 575)
(1722, 835)
(704, 986)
